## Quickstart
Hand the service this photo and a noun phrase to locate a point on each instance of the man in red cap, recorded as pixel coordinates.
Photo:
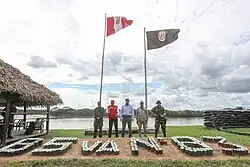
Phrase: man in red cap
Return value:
(112, 113)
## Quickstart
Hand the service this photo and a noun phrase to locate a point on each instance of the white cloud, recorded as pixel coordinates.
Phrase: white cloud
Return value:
(207, 67)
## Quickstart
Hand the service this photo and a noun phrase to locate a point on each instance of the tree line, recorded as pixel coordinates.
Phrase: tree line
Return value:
(68, 112)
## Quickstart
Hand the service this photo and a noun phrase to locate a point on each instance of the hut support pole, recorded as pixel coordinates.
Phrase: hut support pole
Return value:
(6, 120)
(24, 115)
(47, 120)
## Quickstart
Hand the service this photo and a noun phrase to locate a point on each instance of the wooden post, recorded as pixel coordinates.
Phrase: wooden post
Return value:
(47, 120)
(24, 115)
(6, 120)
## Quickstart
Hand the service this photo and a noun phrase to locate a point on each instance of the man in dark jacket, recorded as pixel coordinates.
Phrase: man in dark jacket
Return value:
(98, 122)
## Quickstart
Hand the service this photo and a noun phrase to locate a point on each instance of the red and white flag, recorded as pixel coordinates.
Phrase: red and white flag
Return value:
(116, 23)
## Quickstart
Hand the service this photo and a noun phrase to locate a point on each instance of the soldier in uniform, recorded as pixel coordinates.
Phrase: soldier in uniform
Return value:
(142, 118)
(98, 122)
(160, 119)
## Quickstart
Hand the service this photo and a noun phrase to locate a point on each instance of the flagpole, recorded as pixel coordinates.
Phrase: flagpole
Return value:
(103, 51)
(145, 69)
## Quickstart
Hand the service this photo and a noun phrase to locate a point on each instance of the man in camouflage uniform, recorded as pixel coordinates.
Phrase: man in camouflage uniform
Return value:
(142, 118)
(160, 119)
(98, 122)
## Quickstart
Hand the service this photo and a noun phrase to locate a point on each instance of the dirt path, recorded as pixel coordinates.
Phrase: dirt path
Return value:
(169, 152)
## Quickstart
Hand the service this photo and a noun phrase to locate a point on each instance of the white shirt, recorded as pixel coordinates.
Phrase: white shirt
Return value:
(127, 110)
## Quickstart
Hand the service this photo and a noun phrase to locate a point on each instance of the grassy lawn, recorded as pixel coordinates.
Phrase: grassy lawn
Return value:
(66, 133)
(240, 130)
(126, 163)
(195, 131)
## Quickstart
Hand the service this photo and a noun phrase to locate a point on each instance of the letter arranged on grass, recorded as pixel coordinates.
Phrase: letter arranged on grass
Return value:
(228, 148)
(21, 147)
(134, 147)
(89, 150)
(109, 147)
(56, 146)
(150, 145)
(191, 146)
(162, 141)
(60, 145)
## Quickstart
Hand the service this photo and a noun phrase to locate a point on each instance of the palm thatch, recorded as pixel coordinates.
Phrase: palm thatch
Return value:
(20, 86)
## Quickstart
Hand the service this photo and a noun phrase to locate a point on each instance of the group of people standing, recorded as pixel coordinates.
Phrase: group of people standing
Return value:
(127, 116)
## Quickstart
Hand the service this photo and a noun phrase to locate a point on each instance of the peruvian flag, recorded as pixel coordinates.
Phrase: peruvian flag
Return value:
(116, 23)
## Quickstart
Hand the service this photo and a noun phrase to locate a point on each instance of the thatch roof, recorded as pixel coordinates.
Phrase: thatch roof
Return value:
(23, 88)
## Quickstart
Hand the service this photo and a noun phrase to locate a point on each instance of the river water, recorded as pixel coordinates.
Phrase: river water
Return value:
(86, 123)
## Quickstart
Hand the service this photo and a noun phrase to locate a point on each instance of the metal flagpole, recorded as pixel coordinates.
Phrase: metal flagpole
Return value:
(103, 51)
(145, 69)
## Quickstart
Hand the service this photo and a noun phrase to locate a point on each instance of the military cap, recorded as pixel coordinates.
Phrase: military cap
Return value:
(158, 102)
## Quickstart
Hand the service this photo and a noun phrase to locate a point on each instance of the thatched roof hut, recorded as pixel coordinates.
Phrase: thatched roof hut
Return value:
(22, 88)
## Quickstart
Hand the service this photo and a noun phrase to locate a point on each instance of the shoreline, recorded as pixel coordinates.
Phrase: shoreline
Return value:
(54, 117)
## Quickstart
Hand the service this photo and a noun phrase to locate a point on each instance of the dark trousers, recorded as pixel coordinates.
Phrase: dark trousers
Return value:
(10, 127)
(163, 128)
(111, 122)
(9, 130)
(98, 124)
(1, 132)
(126, 120)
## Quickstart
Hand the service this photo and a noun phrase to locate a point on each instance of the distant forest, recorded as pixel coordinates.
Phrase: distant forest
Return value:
(67, 112)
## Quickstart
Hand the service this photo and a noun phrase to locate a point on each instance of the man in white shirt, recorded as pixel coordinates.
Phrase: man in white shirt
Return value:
(142, 118)
(127, 114)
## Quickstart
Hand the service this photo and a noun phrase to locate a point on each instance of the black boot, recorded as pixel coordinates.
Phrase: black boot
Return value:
(164, 134)
(155, 135)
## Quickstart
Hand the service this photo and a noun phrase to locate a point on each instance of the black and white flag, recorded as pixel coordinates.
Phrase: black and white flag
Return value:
(159, 38)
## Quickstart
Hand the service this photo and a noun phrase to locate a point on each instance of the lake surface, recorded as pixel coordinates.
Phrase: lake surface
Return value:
(86, 123)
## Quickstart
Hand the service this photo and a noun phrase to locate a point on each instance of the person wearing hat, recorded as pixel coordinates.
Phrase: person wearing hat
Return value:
(98, 122)
(142, 118)
(127, 114)
(112, 114)
(160, 119)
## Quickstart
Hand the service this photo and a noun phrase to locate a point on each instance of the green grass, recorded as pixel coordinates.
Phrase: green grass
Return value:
(66, 133)
(240, 130)
(126, 163)
(194, 131)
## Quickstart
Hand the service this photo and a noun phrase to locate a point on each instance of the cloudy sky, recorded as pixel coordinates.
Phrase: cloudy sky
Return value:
(59, 44)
